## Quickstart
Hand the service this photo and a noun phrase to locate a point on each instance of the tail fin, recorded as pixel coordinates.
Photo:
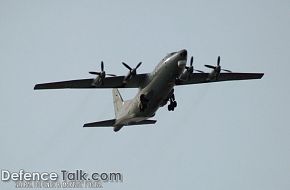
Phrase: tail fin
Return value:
(118, 101)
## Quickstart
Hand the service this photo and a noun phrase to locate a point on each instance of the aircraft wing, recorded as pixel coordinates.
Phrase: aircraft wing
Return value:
(109, 82)
(197, 78)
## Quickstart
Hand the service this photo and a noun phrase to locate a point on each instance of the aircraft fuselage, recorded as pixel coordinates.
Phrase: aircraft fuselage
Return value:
(159, 85)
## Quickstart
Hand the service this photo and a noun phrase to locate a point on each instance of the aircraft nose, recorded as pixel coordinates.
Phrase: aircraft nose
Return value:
(183, 53)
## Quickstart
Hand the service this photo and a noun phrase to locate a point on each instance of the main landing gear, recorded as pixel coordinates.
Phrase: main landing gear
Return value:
(143, 103)
(173, 104)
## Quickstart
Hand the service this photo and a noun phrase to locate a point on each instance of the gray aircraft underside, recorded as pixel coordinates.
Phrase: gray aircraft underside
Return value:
(156, 89)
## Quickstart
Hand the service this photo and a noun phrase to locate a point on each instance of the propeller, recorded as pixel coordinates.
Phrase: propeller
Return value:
(100, 75)
(190, 69)
(103, 73)
(218, 67)
(132, 72)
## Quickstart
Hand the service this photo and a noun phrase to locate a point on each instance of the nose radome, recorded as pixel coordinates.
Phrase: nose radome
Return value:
(183, 53)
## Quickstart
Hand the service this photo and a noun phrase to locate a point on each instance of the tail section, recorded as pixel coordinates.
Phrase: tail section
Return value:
(117, 125)
(118, 101)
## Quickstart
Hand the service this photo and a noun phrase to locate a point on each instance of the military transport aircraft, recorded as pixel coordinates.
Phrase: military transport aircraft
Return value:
(156, 89)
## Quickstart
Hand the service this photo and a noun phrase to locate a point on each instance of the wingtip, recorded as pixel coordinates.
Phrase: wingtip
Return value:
(37, 87)
(86, 125)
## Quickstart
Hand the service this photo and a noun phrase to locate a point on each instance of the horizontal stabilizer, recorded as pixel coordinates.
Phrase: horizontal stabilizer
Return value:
(144, 122)
(106, 123)
(111, 123)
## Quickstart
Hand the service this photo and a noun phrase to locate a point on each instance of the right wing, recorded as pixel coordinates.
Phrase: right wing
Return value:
(109, 82)
(197, 78)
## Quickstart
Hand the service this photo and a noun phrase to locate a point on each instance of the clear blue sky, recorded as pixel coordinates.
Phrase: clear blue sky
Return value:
(232, 135)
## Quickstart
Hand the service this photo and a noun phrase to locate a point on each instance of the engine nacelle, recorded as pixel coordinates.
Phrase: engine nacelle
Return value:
(97, 81)
(185, 75)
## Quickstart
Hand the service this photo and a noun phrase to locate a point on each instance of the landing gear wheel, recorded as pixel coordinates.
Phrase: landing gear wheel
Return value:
(170, 107)
(174, 104)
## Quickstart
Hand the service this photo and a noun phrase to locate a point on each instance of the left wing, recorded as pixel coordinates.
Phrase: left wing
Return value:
(197, 78)
(108, 82)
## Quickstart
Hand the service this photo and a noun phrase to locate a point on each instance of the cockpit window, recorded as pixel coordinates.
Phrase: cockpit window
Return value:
(168, 55)
(171, 53)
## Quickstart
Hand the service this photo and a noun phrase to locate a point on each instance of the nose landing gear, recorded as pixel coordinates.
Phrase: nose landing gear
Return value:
(173, 104)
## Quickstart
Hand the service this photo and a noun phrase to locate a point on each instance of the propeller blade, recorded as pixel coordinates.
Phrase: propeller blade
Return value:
(226, 70)
(102, 66)
(191, 61)
(218, 60)
(139, 64)
(199, 71)
(95, 73)
(112, 75)
(210, 66)
(127, 66)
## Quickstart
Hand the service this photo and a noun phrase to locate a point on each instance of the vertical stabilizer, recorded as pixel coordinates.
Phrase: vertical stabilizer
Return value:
(118, 101)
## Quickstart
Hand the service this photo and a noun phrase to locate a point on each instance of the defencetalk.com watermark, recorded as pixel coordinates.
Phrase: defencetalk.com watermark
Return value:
(61, 179)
